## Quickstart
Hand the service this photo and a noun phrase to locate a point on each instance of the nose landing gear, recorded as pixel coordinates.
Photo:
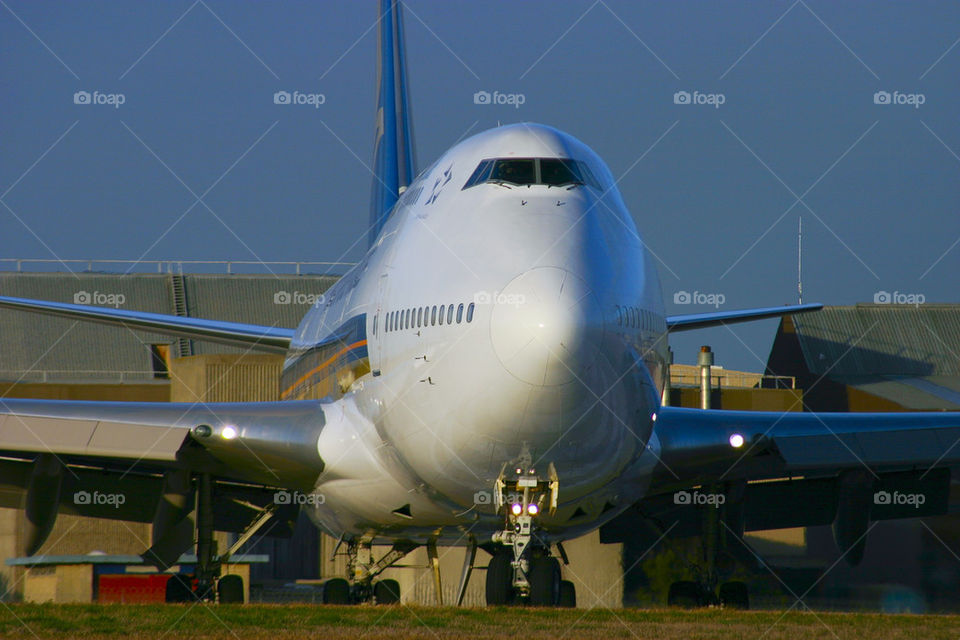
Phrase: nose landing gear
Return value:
(522, 569)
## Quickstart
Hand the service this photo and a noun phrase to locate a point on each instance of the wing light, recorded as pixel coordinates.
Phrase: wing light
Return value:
(736, 441)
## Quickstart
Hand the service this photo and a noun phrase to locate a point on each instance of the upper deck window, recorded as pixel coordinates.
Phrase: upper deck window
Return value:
(553, 172)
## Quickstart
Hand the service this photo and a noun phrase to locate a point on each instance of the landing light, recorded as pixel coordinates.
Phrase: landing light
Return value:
(533, 509)
(228, 432)
(516, 508)
(736, 441)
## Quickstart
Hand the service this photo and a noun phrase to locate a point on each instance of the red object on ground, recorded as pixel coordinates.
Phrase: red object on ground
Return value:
(127, 588)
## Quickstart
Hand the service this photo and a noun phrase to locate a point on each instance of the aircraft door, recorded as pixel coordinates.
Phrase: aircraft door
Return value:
(380, 326)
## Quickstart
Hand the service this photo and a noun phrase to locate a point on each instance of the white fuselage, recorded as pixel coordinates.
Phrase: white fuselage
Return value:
(563, 356)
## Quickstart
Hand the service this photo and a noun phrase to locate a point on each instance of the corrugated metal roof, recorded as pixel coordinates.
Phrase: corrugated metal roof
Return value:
(257, 299)
(881, 340)
(56, 349)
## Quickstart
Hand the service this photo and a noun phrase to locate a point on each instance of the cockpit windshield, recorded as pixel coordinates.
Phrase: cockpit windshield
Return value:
(553, 172)
(514, 171)
(556, 172)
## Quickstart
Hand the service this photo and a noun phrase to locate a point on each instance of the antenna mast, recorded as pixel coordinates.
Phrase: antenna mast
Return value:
(800, 260)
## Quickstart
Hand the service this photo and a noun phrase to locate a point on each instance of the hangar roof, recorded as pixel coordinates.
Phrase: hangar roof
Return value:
(37, 348)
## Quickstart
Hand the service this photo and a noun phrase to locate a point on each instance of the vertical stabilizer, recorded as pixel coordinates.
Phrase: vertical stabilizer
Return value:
(393, 162)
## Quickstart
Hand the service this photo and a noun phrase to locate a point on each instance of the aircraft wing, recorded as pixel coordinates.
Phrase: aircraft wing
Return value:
(795, 470)
(262, 338)
(136, 461)
(696, 443)
(692, 321)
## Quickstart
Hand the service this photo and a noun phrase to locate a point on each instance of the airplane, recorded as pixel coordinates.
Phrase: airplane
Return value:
(489, 375)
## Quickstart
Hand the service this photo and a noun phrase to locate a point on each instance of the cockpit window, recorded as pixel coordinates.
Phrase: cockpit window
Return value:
(556, 172)
(553, 172)
(514, 171)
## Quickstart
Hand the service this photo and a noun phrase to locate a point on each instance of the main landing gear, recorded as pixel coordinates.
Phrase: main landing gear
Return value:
(722, 548)
(522, 569)
(365, 587)
(207, 583)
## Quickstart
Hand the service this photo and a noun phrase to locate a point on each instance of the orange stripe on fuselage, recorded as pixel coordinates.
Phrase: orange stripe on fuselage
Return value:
(322, 365)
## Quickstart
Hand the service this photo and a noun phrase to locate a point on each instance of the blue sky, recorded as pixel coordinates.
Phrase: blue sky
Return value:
(198, 163)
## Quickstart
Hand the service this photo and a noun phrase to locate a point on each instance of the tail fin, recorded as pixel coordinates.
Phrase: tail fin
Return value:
(393, 161)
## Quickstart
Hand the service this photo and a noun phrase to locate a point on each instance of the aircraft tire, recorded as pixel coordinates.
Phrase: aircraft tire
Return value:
(386, 591)
(734, 595)
(336, 591)
(568, 594)
(545, 582)
(499, 586)
(230, 589)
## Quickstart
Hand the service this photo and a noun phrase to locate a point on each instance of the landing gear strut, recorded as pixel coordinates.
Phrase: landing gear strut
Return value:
(364, 570)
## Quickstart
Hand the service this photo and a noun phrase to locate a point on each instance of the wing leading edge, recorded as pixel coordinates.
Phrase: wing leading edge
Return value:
(692, 321)
(259, 337)
(698, 445)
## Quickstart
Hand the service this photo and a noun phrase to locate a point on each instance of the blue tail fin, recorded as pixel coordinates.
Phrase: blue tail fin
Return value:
(393, 162)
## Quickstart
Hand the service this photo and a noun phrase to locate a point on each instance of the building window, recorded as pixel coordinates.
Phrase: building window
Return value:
(160, 360)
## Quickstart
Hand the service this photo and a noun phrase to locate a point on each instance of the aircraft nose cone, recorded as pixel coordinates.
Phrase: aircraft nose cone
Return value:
(546, 326)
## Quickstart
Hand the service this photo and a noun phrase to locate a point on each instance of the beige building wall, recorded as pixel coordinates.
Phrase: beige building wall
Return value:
(226, 378)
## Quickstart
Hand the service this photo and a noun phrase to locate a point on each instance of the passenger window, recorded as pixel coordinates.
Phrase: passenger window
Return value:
(460, 313)
(419, 316)
(440, 317)
(619, 317)
(470, 313)
(433, 316)
(406, 324)
(450, 314)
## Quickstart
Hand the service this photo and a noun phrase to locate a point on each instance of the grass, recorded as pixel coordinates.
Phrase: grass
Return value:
(278, 622)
